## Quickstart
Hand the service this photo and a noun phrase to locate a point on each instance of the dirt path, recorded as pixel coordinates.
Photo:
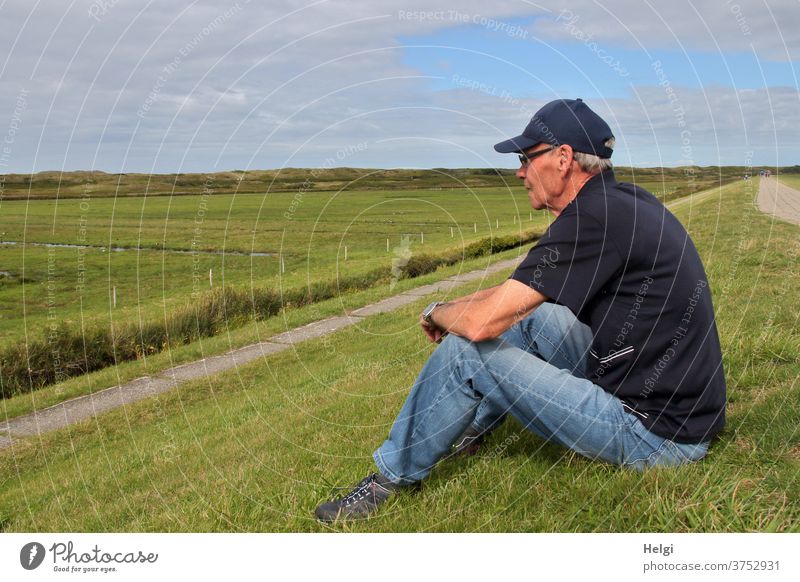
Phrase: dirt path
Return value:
(85, 407)
(779, 200)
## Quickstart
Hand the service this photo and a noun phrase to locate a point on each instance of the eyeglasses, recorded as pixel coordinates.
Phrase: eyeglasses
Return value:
(525, 159)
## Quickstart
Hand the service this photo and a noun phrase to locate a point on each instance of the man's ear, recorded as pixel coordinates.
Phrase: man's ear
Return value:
(565, 157)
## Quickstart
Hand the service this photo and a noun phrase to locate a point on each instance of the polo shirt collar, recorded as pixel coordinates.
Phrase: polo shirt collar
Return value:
(599, 183)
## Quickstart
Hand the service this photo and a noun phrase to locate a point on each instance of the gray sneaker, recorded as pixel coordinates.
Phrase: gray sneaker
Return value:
(365, 498)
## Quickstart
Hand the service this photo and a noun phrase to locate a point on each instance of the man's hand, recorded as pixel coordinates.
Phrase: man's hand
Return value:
(432, 332)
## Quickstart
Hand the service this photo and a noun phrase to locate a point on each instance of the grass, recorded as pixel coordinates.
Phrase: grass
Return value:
(184, 244)
(67, 351)
(236, 335)
(68, 310)
(791, 180)
(76, 285)
(257, 448)
(66, 185)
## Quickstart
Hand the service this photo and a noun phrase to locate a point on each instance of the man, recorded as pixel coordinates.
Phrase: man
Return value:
(603, 340)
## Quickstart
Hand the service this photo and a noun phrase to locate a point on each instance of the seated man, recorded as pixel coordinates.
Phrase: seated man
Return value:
(603, 340)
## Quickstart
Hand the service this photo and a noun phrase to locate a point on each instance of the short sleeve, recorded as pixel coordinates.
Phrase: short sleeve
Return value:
(572, 262)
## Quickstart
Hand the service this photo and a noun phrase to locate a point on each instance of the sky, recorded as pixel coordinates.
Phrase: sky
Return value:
(178, 86)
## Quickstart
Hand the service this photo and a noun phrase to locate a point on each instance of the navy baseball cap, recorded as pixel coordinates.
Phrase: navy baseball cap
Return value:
(563, 122)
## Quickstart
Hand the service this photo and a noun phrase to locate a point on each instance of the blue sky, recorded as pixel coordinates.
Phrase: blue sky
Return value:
(202, 85)
(473, 52)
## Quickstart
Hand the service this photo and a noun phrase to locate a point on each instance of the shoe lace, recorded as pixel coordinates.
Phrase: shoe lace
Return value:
(363, 488)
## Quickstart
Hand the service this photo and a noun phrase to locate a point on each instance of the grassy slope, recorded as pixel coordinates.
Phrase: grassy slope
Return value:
(791, 180)
(258, 448)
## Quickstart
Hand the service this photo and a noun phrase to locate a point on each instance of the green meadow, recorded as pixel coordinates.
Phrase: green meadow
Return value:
(99, 269)
(257, 448)
(139, 246)
(280, 240)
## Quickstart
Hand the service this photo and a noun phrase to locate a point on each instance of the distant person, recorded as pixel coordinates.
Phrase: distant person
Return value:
(603, 339)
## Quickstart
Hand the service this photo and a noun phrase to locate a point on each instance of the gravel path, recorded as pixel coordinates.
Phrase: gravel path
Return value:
(85, 407)
(779, 200)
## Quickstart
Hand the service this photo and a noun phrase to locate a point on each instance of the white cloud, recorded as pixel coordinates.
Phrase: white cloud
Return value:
(710, 25)
(185, 85)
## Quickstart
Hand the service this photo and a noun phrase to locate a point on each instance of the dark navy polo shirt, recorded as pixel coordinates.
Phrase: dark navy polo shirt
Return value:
(627, 268)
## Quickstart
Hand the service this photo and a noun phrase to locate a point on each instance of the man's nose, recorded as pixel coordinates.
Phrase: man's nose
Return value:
(521, 173)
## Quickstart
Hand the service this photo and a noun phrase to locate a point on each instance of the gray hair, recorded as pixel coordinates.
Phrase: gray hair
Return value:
(592, 163)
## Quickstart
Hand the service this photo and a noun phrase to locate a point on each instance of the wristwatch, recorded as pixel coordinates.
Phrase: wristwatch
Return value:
(427, 313)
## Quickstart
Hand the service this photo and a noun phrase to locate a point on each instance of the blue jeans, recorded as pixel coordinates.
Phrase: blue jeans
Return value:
(536, 372)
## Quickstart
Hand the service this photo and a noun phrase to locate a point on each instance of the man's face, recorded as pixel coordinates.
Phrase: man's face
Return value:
(540, 175)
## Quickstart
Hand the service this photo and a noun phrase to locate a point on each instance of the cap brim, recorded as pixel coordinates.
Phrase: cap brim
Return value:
(515, 145)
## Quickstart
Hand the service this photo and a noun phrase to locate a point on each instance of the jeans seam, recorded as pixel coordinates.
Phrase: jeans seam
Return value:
(565, 408)
(385, 471)
(648, 460)
(560, 351)
(439, 397)
(677, 453)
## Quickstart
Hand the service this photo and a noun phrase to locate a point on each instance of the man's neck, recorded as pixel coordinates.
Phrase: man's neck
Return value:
(574, 184)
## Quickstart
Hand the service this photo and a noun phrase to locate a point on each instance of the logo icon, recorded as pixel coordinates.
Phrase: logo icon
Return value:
(31, 555)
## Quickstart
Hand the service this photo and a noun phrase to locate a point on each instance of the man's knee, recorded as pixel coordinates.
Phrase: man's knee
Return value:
(548, 315)
(457, 348)
(454, 348)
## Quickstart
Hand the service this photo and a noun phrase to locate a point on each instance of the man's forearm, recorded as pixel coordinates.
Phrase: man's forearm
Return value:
(450, 314)
(482, 294)
(488, 313)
